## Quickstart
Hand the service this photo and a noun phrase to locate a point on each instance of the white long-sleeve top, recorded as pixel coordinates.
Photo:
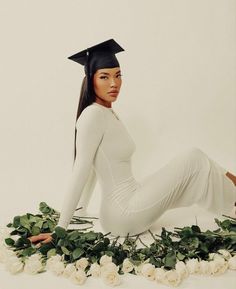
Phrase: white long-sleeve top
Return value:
(105, 147)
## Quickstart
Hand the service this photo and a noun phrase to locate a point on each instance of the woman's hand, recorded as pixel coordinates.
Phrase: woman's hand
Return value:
(43, 237)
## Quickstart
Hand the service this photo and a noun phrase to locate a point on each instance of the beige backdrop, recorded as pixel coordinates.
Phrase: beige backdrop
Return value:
(178, 87)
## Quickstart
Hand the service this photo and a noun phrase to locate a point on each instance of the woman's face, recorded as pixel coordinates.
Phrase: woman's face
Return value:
(107, 83)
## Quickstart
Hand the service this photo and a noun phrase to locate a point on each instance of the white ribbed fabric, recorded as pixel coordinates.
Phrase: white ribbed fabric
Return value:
(105, 147)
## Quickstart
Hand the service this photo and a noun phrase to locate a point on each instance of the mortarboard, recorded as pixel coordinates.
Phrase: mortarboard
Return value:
(99, 56)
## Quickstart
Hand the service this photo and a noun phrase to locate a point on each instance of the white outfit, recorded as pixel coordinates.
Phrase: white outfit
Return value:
(104, 150)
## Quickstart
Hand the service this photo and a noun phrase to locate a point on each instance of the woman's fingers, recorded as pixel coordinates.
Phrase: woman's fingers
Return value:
(48, 240)
(39, 237)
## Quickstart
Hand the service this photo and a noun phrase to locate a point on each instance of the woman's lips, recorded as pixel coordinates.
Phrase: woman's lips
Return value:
(115, 92)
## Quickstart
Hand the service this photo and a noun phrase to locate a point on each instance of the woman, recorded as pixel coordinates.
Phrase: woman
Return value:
(104, 150)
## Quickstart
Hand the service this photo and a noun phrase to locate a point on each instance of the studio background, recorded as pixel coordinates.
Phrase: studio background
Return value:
(178, 91)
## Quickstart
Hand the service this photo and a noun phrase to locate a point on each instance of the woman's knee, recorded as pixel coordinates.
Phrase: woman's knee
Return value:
(194, 153)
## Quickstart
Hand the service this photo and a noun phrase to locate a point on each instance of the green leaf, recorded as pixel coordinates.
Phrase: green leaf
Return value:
(22, 241)
(51, 225)
(204, 248)
(65, 250)
(60, 232)
(45, 248)
(28, 251)
(78, 252)
(24, 221)
(51, 252)
(74, 235)
(35, 230)
(39, 223)
(180, 256)
(91, 236)
(170, 260)
(16, 221)
(195, 229)
(9, 241)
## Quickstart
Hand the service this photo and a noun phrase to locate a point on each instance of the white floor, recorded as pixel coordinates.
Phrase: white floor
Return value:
(173, 218)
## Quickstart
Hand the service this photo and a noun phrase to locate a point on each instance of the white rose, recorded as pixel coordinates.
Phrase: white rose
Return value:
(33, 266)
(57, 267)
(181, 269)
(232, 263)
(105, 259)
(192, 265)
(148, 271)
(204, 267)
(159, 274)
(214, 256)
(111, 278)
(171, 278)
(109, 267)
(226, 254)
(211, 256)
(69, 269)
(95, 270)
(82, 263)
(36, 256)
(127, 266)
(138, 269)
(5, 254)
(52, 260)
(218, 266)
(78, 277)
(14, 265)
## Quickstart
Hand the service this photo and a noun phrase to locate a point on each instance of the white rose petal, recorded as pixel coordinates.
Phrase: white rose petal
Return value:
(182, 269)
(148, 271)
(14, 265)
(204, 267)
(52, 260)
(82, 263)
(36, 256)
(127, 266)
(109, 267)
(111, 278)
(105, 259)
(218, 267)
(192, 265)
(211, 256)
(69, 269)
(33, 266)
(78, 277)
(95, 270)
(171, 278)
(57, 267)
(226, 254)
(232, 263)
(138, 269)
(159, 274)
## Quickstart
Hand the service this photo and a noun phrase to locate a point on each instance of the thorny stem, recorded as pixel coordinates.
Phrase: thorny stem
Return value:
(142, 242)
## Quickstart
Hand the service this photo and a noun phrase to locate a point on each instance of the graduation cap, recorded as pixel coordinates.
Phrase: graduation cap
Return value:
(99, 56)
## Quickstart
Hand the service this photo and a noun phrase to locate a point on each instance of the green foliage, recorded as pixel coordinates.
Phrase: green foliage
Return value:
(165, 250)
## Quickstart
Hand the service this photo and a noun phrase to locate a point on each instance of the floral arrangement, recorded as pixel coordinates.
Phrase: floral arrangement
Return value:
(81, 253)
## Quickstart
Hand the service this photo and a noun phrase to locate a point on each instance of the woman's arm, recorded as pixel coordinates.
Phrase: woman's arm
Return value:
(87, 193)
(90, 129)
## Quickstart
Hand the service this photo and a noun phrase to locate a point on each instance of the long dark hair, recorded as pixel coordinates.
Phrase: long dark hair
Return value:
(84, 101)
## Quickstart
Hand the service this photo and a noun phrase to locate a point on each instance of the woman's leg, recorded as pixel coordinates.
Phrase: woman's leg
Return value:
(232, 177)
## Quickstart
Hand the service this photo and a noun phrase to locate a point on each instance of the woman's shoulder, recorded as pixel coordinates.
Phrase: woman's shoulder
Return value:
(91, 114)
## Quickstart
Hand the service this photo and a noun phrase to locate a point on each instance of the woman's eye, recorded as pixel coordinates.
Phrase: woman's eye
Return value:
(119, 75)
(103, 77)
